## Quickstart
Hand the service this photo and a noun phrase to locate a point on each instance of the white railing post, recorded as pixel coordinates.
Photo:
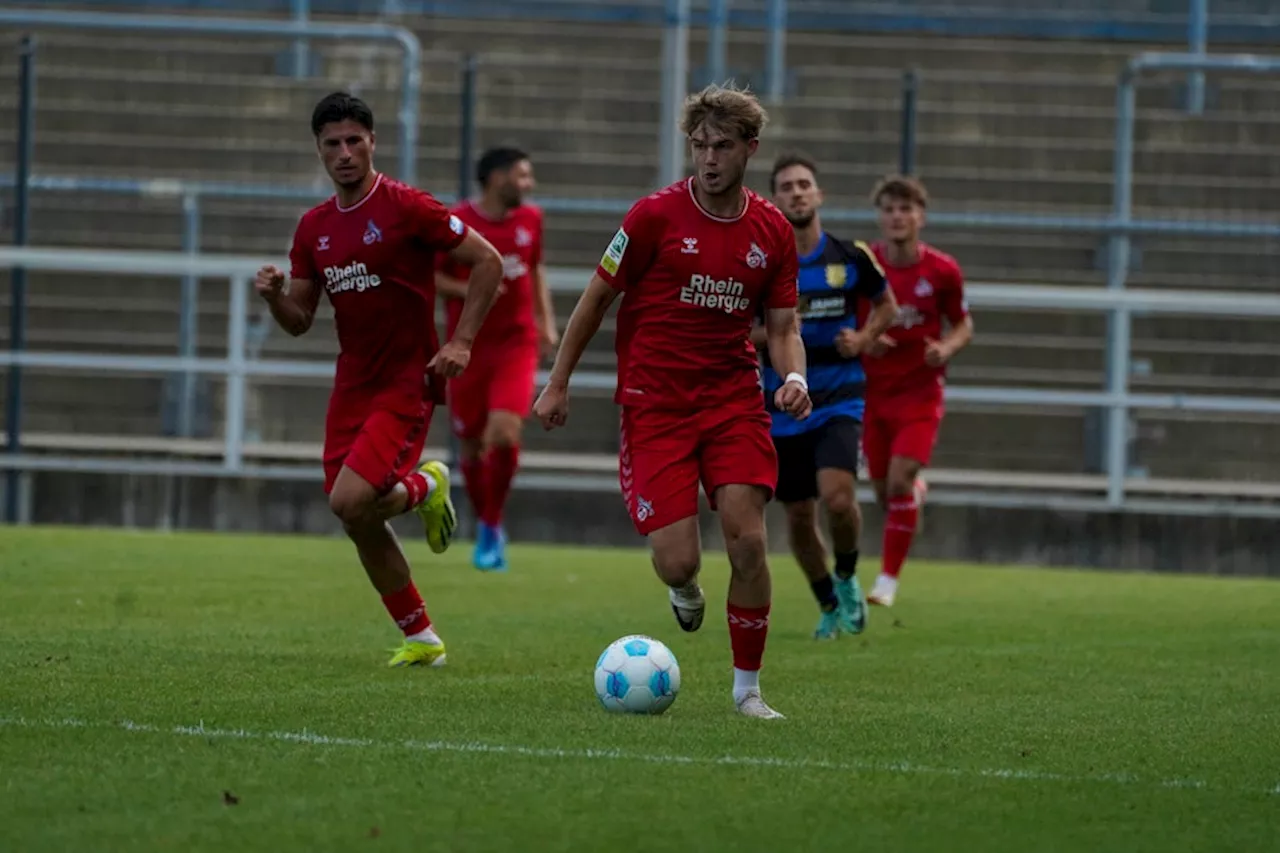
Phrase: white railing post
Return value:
(237, 324)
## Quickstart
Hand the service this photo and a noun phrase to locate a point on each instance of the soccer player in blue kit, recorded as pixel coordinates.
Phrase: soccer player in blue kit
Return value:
(818, 456)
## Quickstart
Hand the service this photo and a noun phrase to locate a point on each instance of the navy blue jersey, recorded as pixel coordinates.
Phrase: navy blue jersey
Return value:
(833, 277)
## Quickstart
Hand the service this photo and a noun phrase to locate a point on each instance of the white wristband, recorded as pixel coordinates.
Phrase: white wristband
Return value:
(797, 378)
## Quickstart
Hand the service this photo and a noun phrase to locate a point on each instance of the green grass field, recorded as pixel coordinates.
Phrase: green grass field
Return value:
(210, 692)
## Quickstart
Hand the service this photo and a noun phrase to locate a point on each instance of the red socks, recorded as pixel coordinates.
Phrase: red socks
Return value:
(748, 629)
(408, 610)
(899, 530)
(418, 487)
(500, 468)
(475, 475)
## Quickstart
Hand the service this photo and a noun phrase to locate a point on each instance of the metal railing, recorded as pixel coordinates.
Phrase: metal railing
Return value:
(411, 64)
(237, 368)
(1237, 23)
(1118, 254)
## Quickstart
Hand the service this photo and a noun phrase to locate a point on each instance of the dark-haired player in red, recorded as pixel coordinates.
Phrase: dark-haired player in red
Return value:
(694, 263)
(371, 247)
(906, 369)
(489, 402)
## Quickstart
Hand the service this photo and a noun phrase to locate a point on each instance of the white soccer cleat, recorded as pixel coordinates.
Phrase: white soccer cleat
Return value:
(689, 606)
(885, 590)
(752, 704)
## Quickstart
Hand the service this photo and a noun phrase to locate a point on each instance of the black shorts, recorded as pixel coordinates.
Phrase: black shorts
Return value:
(835, 445)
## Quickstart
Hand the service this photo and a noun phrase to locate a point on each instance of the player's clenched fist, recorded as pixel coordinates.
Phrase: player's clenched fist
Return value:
(269, 282)
(793, 398)
(552, 406)
(451, 359)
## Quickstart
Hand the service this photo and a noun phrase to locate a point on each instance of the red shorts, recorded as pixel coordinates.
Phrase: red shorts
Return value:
(380, 445)
(502, 381)
(666, 452)
(903, 425)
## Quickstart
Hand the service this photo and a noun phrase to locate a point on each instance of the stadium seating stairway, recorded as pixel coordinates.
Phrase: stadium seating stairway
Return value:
(1004, 126)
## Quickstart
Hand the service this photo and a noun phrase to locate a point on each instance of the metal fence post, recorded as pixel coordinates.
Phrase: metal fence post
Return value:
(775, 69)
(675, 86)
(1118, 321)
(301, 47)
(410, 96)
(18, 279)
(1198, 44)
(188, 317)
(467, 132)
(907, 151)
(717, 40)
(233, 433)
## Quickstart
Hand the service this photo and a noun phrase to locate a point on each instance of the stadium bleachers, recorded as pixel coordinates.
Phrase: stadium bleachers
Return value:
(1005, 125)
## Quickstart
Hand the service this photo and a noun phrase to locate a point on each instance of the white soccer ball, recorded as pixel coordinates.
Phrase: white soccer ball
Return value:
(637, 675)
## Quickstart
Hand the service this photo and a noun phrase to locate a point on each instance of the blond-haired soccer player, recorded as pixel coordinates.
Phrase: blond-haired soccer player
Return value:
(694, 262)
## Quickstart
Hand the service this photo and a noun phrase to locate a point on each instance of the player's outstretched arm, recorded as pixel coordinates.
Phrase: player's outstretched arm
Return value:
(293, 309)
(552, 405)
(884, 310)
(955, 308)
(450, 287)
(584, 322)
(786, 353)
(544, 309)
(482, 287)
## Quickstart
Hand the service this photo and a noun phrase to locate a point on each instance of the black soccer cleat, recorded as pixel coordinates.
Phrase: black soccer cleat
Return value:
(689, 609)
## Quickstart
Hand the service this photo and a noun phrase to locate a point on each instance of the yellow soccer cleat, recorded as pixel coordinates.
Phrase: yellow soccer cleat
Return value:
(439, 519)
(418, 654)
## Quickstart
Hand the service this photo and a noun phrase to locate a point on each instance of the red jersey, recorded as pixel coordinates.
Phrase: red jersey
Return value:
(518, 238)
(927, 291)
(692, 284)
(375, 259)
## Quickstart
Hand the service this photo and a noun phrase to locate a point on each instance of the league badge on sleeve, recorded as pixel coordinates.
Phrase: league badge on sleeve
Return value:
(612, 258)
(455, 224)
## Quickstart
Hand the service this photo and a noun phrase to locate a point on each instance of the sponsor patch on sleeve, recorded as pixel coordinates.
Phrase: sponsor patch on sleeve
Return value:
(612, 257)
(455, 224)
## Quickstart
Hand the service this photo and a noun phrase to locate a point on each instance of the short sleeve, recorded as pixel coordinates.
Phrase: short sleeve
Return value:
(871, 279)
(432, 223)
(446, 264)
(953, 304)
(783, 287)
(301, 262)
(632, 250)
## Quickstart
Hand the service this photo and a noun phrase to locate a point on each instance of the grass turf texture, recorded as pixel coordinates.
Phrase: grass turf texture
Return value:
(993, 709)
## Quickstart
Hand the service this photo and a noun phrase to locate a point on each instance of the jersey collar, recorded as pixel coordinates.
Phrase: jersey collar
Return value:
(817, 251)
(377, 182)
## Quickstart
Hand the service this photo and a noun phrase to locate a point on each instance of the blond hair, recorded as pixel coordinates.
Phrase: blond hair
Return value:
(726, 109)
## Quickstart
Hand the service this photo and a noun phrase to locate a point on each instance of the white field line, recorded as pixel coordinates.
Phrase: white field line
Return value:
(905, 768)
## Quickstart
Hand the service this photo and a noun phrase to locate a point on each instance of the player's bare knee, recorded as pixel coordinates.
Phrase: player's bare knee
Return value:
(352, 510)
(676, 568)
(747, 554)
(840, 503)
